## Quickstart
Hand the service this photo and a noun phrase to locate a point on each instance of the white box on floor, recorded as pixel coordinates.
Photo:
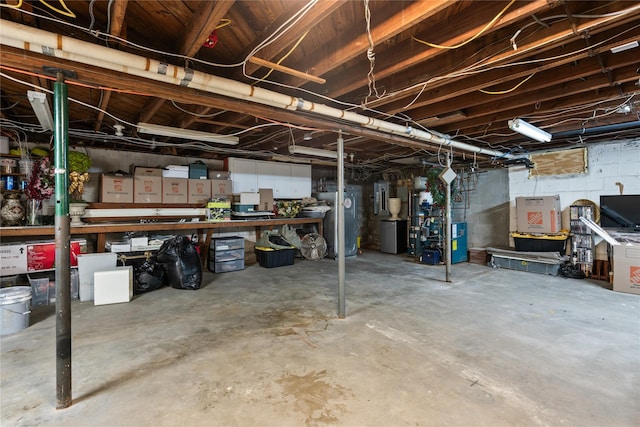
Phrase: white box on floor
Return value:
(626, 268)
(113, 286)
(88, 264)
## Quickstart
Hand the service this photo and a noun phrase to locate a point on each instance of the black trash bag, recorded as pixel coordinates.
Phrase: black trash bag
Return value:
(181, 262)
(148, 276)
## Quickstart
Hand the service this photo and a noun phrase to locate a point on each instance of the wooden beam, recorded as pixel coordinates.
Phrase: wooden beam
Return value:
(405, 54)
(318, 12)
(106, 96)
(205, 19)
(412, 15)
(286, 70)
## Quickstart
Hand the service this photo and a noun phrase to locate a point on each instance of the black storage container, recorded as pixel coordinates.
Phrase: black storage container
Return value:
(269, 257)
(541, 244)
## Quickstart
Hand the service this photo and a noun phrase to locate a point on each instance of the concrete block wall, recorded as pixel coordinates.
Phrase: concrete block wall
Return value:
(607, 164)
(487, 209)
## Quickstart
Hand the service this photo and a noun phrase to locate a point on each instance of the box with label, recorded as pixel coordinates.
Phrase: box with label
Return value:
(42, 255)
(626, 268)
(198, 170)
(219, 209)
(175, 171)
(13, 259)
(539, 214)
(147, 185)
(175, 190)
(116, 188)
(266, 199)
(199, 191)
(221, 188)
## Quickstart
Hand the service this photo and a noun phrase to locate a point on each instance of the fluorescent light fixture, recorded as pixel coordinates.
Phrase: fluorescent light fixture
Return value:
(624, 47)
(40, 106)
(297, 149)
(195, 135)
(529, 130)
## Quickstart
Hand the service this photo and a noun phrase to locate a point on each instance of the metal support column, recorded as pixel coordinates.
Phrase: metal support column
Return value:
(341, 234)
(447, 231)
(62, 238)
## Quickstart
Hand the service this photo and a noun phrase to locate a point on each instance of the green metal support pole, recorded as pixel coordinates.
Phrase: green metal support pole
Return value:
(63, 243)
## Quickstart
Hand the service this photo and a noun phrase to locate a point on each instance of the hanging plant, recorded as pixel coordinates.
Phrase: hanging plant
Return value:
(436, 187)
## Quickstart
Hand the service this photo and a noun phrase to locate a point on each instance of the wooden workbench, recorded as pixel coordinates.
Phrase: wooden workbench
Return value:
(203, 227)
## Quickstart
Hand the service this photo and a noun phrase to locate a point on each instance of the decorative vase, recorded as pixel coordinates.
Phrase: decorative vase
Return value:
(12, 211)
(34, 209)
(76, 211)
(395, 205)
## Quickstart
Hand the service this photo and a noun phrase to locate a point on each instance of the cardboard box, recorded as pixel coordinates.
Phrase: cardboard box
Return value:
(147, 185)
(119, 246)
(220, 188)
(13, 259)
(116, 188)
(139, 241)
(221, 175)
(175, 190)
(113, 286)
(199, 191)
(42, 255)
(266, 200)
(246, 199)
(539, 214)
(175, 171)
(626, 268)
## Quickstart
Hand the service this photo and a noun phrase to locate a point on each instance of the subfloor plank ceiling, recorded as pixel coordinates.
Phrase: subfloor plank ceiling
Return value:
(431, 72)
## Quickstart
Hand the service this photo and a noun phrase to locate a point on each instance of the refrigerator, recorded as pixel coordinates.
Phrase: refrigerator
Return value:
(393, 236)
(330, 222)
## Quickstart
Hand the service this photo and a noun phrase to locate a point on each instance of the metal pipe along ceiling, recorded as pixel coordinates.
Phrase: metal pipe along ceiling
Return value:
(39, 41)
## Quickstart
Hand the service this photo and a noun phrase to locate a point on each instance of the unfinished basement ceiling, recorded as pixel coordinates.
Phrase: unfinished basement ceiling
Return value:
(460, 68)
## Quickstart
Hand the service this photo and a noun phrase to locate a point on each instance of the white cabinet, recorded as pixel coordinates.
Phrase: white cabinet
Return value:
(300, 181)
(244, 175)
(288, 180)
(276, 176)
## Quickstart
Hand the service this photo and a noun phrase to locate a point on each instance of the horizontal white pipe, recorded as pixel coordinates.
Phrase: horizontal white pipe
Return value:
(39, 41)
(34, 40)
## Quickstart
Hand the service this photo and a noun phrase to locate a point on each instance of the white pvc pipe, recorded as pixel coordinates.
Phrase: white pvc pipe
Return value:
(39, 41)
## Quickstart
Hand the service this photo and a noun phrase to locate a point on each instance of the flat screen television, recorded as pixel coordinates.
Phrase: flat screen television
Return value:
(620, 212)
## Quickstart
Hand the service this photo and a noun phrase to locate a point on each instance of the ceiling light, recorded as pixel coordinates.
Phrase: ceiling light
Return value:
(529, 130)
(40, 106)
(297, 149)
(307, 136)
(624, 47)
(152, 129)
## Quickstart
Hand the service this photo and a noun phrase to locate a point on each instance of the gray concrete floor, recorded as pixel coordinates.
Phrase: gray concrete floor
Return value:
(264, 347)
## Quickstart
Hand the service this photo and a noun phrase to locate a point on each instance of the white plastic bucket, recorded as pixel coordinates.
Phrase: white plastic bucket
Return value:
(14, 308)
